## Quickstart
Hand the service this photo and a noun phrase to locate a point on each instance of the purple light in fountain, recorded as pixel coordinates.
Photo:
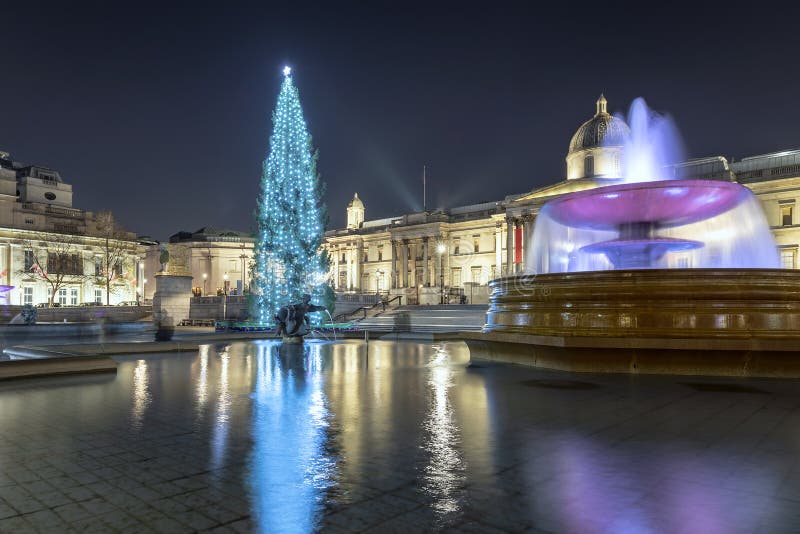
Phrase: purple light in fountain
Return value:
(654, 144)
(652, 221)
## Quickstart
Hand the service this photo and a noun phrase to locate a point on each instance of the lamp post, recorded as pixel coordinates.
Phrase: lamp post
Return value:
(205, 278)
(225, 297)
(244, 278)
(440, 248)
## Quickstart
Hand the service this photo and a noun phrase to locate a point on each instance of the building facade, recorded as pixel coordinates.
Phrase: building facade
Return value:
(218, 259)
(445, 255)
(48, 249)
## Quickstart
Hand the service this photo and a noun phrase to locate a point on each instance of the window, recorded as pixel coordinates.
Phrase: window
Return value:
(343, 260)
(477, 273)
(29, 220)
(65, 264)
(616, 164)
(98, 266)
(456, 245)
(98, 296)
(682, 262)
(588, 166)
(27, 295)
(73, 296)
(455, 276)
(380, 252)
(494, 272)
(366, 256)
(28, 260)
(62, 296)
(118, 269)
(786, 215)
(476, 243)
(788, 258)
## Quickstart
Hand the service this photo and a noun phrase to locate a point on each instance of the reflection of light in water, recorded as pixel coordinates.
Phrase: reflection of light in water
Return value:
(290, 470)
(597, 482)
(141, 395)
(202, 380)
(444, 472)
(220, 436)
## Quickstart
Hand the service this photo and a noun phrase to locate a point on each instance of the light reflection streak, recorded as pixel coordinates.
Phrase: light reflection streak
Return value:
(141, 394)
(289, 467)
(445, 472)
(220, 432)
(202, 381)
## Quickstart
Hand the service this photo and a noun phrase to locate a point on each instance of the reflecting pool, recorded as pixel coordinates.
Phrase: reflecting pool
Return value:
(390, 436)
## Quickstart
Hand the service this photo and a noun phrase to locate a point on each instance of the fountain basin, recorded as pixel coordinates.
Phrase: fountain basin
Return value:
(667, 203)
(733, 322)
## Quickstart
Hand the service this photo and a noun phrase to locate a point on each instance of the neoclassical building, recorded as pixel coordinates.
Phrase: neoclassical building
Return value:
(442, 254)
(42, 237)
(218, 260)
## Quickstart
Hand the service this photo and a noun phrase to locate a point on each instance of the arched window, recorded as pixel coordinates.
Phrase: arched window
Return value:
(588, 166)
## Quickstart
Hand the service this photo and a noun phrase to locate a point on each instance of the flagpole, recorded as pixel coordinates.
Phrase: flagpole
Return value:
(424, 190)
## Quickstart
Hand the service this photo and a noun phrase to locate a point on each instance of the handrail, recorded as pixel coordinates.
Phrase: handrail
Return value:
(364, 309)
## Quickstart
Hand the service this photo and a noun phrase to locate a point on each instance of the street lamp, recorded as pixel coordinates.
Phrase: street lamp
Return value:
(440, 249)
(205, 277)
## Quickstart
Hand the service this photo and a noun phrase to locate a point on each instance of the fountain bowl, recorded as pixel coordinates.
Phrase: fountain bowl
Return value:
(724, 322)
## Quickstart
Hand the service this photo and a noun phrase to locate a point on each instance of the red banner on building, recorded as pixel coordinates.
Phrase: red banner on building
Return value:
(518, 244)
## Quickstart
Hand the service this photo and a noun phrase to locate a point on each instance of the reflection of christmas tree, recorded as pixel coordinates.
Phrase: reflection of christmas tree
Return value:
(288, 257)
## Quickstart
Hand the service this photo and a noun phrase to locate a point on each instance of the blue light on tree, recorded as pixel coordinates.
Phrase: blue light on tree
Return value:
(289, 260)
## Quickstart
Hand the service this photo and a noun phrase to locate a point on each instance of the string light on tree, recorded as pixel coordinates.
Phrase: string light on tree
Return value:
(289, 260)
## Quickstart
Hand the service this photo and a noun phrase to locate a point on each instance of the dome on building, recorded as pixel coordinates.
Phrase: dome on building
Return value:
(355, 203)
(601, 130)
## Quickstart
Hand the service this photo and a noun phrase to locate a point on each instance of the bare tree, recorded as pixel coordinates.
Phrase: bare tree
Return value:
(117, 248)
(58, 263)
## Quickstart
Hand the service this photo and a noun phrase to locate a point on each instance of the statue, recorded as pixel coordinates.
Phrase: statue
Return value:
(163, 256)
(292, 320)
(29, 314)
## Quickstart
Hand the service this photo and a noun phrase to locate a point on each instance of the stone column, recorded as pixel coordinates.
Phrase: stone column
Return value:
(393, 246)
(498, 248)
(349, 258)
(404, 263)
(509, 246)
(425, 280)
(357, 266)
(527, 235)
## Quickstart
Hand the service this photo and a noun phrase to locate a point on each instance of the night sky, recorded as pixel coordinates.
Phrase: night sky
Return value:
(162, 114)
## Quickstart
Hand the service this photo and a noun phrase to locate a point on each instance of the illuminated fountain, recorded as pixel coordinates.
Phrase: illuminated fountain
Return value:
(664, 275)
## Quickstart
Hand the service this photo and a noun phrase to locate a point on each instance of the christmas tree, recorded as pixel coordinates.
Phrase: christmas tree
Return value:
(289, 260)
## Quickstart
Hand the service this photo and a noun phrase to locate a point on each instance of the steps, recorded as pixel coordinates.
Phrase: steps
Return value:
(427, 319)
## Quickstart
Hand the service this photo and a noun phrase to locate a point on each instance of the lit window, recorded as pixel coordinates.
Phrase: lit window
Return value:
(456, 277)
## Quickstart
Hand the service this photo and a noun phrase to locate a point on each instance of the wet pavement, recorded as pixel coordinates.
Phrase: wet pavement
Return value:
(393, 436)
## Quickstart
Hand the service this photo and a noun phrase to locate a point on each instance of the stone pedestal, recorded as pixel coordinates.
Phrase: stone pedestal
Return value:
(171, 302)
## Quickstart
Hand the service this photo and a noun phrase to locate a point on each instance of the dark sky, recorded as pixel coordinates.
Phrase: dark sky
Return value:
(162, 114)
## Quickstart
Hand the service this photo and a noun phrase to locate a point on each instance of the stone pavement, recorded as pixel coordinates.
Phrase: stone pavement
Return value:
(399, 436)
